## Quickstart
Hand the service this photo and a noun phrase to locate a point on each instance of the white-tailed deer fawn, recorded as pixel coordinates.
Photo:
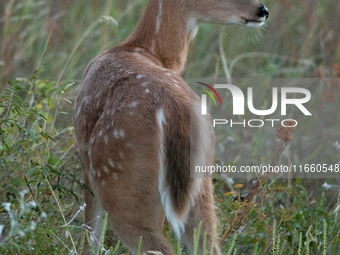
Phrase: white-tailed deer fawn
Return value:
(132, 123)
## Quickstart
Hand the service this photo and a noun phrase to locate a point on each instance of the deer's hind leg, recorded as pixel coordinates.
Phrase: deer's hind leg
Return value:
(134, 211)
(125, 177)
(203, 211)
(94, 214)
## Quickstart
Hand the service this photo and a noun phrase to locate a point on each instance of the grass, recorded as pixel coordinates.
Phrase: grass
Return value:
(44, 48)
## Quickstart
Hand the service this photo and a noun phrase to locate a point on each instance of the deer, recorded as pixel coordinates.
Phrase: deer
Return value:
(138, 137)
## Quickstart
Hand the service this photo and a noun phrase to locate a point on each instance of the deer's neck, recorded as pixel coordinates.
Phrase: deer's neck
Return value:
(165, 30)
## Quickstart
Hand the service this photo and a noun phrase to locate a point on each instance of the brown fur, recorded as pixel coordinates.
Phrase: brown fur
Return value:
(124, 147)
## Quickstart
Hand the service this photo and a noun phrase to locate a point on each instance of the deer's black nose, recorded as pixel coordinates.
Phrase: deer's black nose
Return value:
(263, 12)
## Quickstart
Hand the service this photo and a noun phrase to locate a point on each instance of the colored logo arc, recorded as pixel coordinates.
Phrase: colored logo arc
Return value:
(213, 90)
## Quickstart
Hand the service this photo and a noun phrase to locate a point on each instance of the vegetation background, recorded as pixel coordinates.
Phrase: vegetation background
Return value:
(45, 46)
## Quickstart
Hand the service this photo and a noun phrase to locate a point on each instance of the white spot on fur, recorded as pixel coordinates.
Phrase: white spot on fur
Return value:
(100, 133)
(111, 163)
(121, 155)
(139, 76)
(120, 167)
(155, 95)
(114, 175)
(144, 84)
(133, 104)
(106, 170)
(98, 174)
(106, 139)
(121, 133)
(147, 91)
(116, 134)
(130, 145)
(169, 74)
(78, 112)
(103, 183)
